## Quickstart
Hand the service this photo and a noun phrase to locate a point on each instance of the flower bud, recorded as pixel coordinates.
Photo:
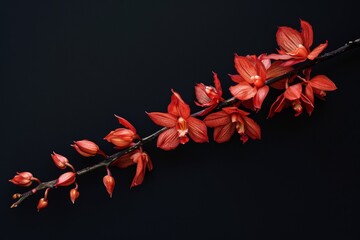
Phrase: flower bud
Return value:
(109, 183)
(66, 179)
(74, 194)
(86, 148)
(16, 195)
(121, 137)
(59, 160)
(23, 179)
(43, 203)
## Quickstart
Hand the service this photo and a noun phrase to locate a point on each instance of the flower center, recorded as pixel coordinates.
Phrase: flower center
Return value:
(297, 106)
(211, 92)
(182, 127)
(258, 81)
(240, 127)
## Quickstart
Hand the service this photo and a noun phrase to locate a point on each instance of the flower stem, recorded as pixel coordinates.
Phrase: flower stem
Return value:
(228, 102)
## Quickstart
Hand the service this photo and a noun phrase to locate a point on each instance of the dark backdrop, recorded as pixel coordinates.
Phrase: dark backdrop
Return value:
(68, 66)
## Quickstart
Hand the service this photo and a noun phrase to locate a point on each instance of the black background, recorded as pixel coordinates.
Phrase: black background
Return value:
(68, 66)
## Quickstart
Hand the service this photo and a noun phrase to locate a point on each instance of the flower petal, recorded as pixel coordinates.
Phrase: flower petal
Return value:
(245, 67)
(140, 173)
(217, 119)
(276, 69)
(236, 78)
(178, 107)
(197, 130)
(293, 92)
(224, 133)
(252, 129)
(278, 56)
(163, 119)
(288, 39)
(316, 51)
(306, 33)
(260, 96)
(231, 110)
(168, 140)
(323, 83)
(125, 160)
(201, 96)
(217, 84)
(293, 62)
(279, 104)
(243, 91)
(309, 106)
(126, 123)
(309, 93)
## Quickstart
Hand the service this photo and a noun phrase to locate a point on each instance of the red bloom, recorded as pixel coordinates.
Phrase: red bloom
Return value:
(294, 97)
(252, 75)
(23, 179)
(122, 137)
(295, 45)
(142, 161)
(179, 124)
(208, 96)
(87, 148)
(317, 86)
(230, 119)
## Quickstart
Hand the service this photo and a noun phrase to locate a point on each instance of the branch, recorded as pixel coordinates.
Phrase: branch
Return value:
(228, 102)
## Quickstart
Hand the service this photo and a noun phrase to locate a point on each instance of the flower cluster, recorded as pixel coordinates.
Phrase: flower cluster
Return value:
(297, 87)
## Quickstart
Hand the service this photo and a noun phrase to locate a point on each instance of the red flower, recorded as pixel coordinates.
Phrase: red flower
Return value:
(294, 97)
(66, 179)
(317, 86)
(87, 148)
(253, 73)
(122, 137)
(208, 96)
(23, 179)
(295, 45)
(230, 119)
(179, 124)
(142, 161)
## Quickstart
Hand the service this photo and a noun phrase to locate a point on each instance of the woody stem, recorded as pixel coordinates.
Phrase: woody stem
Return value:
(228, 102)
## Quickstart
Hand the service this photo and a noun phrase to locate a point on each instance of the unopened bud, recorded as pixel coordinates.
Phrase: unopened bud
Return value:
(66, 179)
(43, 203)
(86, 148)
(16, 196)
(109, 183)
(23, 179)
(59, 160)
(74, 194)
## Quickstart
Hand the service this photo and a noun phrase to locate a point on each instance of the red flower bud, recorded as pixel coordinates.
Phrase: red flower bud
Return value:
(59, 160)
(23, 179)
(43, 203)
(66, 179)
(86, 148)
(109, 183)
(121, 137)
(74, 194)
